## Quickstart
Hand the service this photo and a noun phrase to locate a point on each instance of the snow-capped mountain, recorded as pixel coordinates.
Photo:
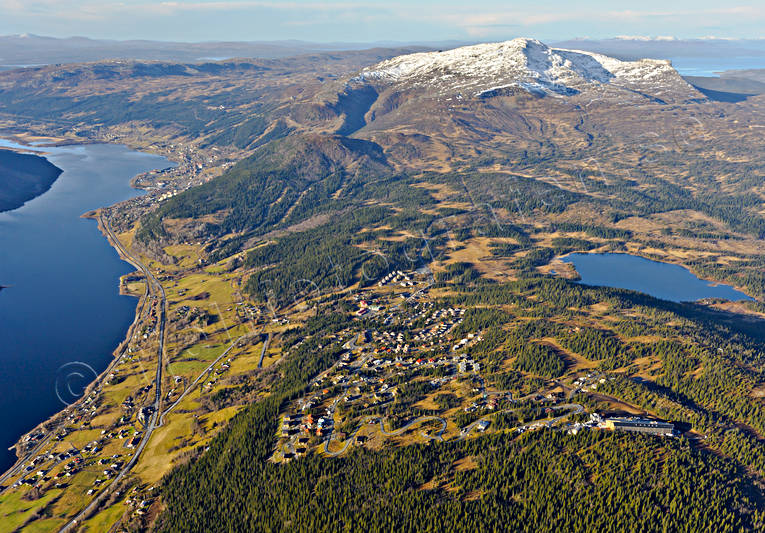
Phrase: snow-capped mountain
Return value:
(527, 64)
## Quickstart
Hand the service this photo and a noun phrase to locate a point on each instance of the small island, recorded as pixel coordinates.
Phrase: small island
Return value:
(24, 177)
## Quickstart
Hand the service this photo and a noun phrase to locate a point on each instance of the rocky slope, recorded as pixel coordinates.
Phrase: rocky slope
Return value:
(528, 65)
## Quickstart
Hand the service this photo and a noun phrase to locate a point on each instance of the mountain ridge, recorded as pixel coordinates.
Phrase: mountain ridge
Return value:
(527, 64)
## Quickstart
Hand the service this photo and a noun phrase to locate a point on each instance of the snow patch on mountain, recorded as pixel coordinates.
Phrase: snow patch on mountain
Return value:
(523, 63)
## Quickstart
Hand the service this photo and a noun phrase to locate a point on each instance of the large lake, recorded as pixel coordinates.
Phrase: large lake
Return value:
(63, 303)
(712, 66)
(661, 280)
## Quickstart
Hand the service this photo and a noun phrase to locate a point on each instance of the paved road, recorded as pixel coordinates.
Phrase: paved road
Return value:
(348, 440)
(399, 431)
(575, 408)
(193, 383)
(418, 420)
(16, 468)
(157, 290)
(418, 291)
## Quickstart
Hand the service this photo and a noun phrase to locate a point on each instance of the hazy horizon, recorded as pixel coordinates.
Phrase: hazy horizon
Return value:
(387, 42)
(373, 21)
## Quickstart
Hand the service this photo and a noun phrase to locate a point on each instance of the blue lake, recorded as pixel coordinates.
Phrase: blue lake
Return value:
(703, 66)
(63, 303)
(661, 280)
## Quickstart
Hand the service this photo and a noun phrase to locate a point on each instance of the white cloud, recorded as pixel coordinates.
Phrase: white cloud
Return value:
(484, 24)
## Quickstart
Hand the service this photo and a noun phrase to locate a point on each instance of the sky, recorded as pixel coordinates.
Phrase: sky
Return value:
(381, 21)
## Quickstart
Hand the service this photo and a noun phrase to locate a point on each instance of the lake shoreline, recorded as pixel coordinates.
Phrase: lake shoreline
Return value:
(24, 184)
(53, 423)
(50, 423)
(711, 283)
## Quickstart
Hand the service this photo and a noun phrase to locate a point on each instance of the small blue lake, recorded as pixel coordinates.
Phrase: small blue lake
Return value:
(661, 280)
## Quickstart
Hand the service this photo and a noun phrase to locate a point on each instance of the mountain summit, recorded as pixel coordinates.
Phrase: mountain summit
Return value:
(528, 65)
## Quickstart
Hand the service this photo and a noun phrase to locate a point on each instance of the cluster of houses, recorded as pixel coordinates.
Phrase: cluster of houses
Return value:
(391, 342)
(404, 280)
(589, 381)
(40, 475)
(144, 414)
(246, 311)
(33, 437)
(487, 402)
(132, 443)
(366, 305)
(140, 506)
(463, 342)
(439, 324)
(295, 424)
(416, 342)
(74, 463)
(465, 365)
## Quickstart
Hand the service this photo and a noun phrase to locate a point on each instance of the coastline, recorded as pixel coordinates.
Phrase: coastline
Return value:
(33, 440)
(51, 424)
(29, 173)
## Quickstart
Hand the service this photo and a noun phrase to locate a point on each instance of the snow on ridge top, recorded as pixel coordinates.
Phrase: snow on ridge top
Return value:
(520, 60)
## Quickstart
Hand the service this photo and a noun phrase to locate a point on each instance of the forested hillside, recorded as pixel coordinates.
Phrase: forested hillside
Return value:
(367, 319)
(23, 177)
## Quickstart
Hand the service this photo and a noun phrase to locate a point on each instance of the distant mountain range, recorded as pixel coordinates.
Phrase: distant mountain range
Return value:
(36, 50)
(637, 48)
(28, 49)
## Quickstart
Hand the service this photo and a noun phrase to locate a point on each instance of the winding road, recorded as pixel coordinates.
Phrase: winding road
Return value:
(399, 431)
(418, 420)
(575, 409)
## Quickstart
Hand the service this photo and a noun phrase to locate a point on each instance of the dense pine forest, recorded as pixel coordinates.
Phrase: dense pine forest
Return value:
(541, 481)
(367, 320)
(23, 177)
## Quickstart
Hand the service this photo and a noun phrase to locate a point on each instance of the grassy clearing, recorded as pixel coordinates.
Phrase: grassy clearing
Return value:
(187, 255)
(176, 436)
(16, 511)
(116, 394)
(44, 526)
(104, 519)
(75, 497)
(245, 359)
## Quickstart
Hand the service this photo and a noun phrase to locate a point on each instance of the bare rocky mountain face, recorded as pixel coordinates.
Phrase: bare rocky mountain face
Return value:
(522, 107)
(304, 182)
(486, 70)
(520, 92)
